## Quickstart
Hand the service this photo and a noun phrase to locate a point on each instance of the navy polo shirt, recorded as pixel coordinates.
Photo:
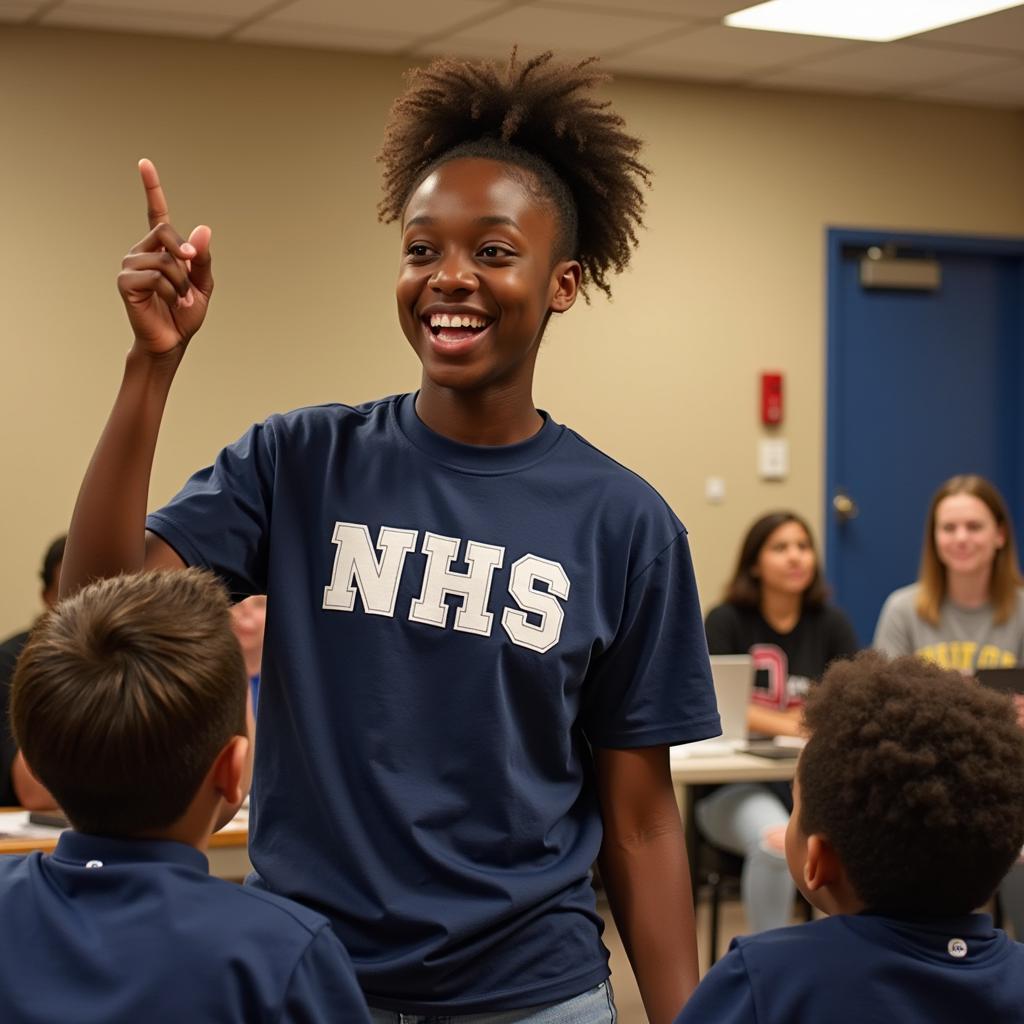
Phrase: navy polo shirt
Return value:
(450, 630)
(111, 931)
(850, 969)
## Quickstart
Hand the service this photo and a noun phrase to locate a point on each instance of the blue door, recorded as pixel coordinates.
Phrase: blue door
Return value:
(921, 385)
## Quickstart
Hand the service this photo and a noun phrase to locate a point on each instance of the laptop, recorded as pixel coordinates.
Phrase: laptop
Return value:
(733, 677)
(1008, 680)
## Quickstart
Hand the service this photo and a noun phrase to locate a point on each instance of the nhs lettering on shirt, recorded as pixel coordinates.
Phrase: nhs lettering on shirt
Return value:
(375, 571)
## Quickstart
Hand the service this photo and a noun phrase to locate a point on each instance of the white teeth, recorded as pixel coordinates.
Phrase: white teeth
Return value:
(457, 320)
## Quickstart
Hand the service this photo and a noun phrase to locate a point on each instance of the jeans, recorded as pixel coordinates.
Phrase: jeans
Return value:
(597, 1006)
(735, 818)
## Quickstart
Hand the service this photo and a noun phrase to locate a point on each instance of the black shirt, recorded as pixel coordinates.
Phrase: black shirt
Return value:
(786, 663)
(9, 651)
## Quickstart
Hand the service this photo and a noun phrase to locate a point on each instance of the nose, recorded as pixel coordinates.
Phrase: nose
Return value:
(453, 274)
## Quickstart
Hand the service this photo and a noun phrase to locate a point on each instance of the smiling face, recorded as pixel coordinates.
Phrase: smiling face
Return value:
(478, 278)
(786, 562)
(967, 536)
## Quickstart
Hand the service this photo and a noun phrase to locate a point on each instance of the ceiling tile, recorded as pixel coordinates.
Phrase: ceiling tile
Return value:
(1002, 31)
(568, 31)
(211, 8)
(19, 10)
(324, 37)
(684, 9)
(137, 19)
(412, 17)
(810, 81)
(1005, 88)
(897, 64)
(734, 51)
(666, 67)
(711, 8)
(484, 49)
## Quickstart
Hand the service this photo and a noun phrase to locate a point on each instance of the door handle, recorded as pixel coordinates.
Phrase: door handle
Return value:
(845, 507)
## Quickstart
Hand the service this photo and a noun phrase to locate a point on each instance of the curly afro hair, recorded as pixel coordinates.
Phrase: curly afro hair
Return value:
(539, 117)
(916, 776)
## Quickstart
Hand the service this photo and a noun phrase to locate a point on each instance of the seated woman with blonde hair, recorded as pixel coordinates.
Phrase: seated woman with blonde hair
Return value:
(966, 610)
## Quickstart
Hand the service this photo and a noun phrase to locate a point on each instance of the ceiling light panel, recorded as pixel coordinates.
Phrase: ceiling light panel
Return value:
(874, 20)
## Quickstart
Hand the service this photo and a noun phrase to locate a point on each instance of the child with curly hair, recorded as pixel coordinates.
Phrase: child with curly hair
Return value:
(482, 633)
(908, 810)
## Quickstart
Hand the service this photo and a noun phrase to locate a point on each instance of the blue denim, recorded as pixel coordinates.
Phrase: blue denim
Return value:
(597, 1006)
(735, 817)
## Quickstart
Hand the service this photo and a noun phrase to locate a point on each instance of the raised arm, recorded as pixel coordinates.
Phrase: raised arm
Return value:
(165, 283)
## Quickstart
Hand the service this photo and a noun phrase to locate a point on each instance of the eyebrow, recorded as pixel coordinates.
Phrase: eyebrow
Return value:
(488, 220)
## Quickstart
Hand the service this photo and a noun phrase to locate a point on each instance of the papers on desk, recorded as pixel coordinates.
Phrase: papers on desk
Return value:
(719, 747)
(15, 825)
(704, 748)
(239, 823)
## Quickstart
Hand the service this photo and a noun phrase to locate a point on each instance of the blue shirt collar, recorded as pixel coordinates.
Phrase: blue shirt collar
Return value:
(488, 460)
(80, 849)
(933, 938)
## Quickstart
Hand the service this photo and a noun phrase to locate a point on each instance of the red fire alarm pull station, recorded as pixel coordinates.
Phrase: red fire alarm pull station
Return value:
(771, 399)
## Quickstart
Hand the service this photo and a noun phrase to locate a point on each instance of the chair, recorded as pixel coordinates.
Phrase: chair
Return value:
(720, 871)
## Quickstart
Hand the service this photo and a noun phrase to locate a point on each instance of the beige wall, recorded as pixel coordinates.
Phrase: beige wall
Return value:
(274, 148)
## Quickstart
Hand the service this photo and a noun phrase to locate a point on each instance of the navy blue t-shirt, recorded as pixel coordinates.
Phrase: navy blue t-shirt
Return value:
(107, 931)
(450, 628)
(851, 969)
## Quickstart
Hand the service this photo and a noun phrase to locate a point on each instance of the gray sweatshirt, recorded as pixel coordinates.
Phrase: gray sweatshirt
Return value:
(965, 638)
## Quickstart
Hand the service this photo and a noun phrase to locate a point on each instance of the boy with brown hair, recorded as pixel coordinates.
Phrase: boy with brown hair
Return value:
(130, 702)
(908, 810)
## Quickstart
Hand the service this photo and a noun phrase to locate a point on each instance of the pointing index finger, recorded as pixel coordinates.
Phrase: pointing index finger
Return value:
(156, 203)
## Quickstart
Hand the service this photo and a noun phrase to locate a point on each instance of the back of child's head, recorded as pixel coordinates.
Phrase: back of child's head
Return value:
(540, 118)
(916, 777)
(124, 696)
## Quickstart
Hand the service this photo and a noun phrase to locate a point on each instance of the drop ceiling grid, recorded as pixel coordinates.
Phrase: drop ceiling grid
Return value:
(978, 61)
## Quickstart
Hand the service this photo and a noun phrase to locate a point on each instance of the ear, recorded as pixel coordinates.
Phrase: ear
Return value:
(228, 774)
(1000, 539)
(566, 277)
(821, 866)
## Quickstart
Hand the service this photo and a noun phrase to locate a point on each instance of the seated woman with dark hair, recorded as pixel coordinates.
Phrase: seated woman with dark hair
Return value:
(776, 610)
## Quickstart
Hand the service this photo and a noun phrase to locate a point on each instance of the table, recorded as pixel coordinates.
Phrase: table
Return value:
(228, 852)
(715, 769)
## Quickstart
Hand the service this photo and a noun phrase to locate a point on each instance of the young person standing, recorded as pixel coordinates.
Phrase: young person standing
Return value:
(482, 633)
